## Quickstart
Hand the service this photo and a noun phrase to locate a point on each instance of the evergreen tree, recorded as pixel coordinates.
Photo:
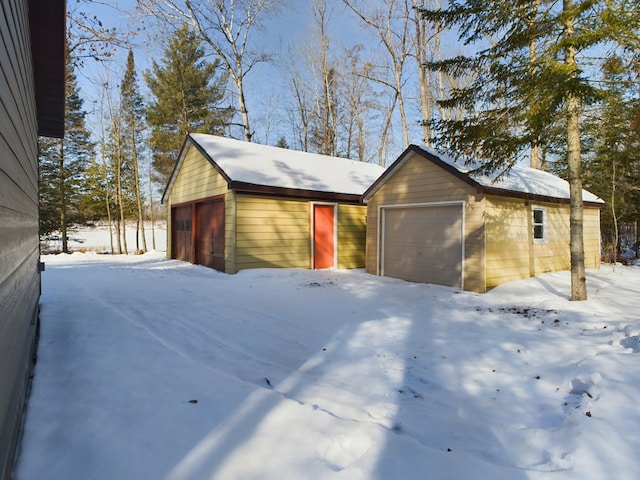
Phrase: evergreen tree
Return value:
(132, 117)
(187, 91)
(528, 75)
(62, 165)
(613, 161)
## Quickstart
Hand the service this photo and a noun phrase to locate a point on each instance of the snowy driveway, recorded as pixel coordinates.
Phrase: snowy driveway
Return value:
(156, 369)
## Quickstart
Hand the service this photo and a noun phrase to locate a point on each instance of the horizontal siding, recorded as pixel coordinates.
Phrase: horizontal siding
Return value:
(19, 242)
(591, 227)
(352, 235)
(552, 254)
(511, 252)
(508, 240)
(421, 181)
(196, 179)
(272, 232)
(230, 232)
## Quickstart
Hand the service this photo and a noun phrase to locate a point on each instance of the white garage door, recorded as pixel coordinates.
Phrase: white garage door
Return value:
(423, 243)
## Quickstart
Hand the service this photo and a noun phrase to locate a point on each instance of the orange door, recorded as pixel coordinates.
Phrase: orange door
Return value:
(323, 236)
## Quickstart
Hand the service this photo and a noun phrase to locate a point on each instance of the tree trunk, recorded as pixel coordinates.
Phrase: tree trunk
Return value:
(242, 103)
(62, 190)
(153, 224)
(423, 76)
(616, 234)
(385, 132)
(122, 231)
(578, 276)
(533, 57)
(107, 200)
(136, 176)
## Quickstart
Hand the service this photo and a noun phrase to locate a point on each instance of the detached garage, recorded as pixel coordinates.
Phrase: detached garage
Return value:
(234, 205)
(429, 220)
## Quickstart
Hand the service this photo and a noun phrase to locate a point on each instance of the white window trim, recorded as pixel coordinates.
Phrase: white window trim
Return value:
(544, 224)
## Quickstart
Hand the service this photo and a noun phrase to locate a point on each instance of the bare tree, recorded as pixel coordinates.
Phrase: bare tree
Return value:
(225, 25)
(360, 104)
(325, 113)
(424, 76)
(299, 113)
(389, 20)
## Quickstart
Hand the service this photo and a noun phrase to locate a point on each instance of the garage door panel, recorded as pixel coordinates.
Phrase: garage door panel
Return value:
(181, 233)
(210, 234)
(423, 244)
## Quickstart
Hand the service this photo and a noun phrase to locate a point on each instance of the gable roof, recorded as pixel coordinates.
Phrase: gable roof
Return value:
(254, 168)
(519, 182)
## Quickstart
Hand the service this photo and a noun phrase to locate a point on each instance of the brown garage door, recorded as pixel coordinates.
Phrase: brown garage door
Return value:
(181, 232)
(423, 244)
(210, 234)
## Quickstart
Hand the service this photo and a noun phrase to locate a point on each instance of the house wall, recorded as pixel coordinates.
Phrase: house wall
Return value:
(420, 181)
(512, 253)
(197, 180)
(591, 232)
(19, 243)
(272, 232)
(352, 236)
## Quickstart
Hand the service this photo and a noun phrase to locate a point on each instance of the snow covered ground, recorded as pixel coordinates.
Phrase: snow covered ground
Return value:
(96, 238)
(156, 369)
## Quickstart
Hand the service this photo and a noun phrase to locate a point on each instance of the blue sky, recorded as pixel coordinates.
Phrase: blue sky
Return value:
(265, 85)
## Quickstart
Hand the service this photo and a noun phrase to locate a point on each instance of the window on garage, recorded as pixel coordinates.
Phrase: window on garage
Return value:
(539, 215)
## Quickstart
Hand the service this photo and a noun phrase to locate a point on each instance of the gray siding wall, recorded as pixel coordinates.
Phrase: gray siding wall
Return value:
(19, 250)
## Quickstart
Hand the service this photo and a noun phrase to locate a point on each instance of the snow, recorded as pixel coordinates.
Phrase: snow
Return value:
(96, 238)
(519, 179)
(158, 369)
(279, 167)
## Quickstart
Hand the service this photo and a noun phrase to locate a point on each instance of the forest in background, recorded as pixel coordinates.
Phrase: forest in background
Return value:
(554, 84)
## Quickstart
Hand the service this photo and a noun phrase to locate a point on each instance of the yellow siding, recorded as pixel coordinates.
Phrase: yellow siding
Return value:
(272, 232)
(196, 179)
(352, 232)
(230, 244)
(507, 226)
(421, 181)
(591, 237)
(511, 252)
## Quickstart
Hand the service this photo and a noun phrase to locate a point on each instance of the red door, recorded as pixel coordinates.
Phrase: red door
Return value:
(323, 236)
(210, 234)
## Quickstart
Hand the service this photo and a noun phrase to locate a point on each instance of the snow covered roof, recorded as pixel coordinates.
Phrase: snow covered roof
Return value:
(253, 167)
(519, 181)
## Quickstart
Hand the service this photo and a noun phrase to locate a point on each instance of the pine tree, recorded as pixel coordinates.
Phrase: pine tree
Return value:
(132, 117)
(519, 93)
(187, 92)
(613, 161)
(62, 165)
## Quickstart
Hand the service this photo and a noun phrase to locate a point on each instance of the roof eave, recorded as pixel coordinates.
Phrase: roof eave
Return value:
(533, 197)
(47, 24)
(252, 188)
